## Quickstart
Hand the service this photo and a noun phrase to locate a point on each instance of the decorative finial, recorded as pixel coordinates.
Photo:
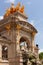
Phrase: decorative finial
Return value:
(7, 13)
(22, 9)
(13, 9)
(12, 5)
(18, 6)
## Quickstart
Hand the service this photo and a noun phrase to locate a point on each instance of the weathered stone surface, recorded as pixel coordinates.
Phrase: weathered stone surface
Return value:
(19, 29)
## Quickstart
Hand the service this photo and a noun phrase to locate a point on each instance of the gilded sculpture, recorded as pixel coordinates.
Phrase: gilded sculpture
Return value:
(13, 9)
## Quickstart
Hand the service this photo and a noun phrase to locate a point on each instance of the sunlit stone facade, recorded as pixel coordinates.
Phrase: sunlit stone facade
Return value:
(17, 39)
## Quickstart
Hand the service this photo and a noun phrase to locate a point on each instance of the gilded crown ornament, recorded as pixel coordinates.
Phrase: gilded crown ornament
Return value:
(13, 9)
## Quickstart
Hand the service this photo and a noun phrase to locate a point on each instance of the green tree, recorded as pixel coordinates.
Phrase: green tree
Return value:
(41, 55)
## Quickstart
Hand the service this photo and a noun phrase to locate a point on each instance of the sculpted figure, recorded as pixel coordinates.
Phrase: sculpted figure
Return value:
(18, 7)
(22, 9)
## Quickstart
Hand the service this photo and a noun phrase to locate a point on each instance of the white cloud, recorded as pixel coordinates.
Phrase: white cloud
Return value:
(9, 1)
(1, 17)
(41, 50)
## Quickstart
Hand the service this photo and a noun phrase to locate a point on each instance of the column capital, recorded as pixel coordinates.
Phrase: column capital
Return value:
(18, 27)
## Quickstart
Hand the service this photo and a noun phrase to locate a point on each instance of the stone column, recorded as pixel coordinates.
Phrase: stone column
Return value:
(18, 44)
(18, 38)
(17, 41)
(33, 43)
(0, 52)
(12, 54)
(12, 48)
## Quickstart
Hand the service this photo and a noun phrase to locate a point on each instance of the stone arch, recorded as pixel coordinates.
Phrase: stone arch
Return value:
(4, 52)
(23, 38)
(24, 52)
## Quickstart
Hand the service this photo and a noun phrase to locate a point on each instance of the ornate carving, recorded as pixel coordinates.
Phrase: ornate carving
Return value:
(22, 9)
(13, 9)
(18, 7)
(18, 27)
(8, 27)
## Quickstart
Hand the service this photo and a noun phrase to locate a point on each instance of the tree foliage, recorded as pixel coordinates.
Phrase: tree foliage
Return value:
(41, 55)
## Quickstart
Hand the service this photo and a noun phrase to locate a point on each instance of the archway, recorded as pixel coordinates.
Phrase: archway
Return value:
(24, 42)
(4, 52)
(24, 47)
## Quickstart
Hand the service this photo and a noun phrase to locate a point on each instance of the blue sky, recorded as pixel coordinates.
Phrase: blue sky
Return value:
(34, 11)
